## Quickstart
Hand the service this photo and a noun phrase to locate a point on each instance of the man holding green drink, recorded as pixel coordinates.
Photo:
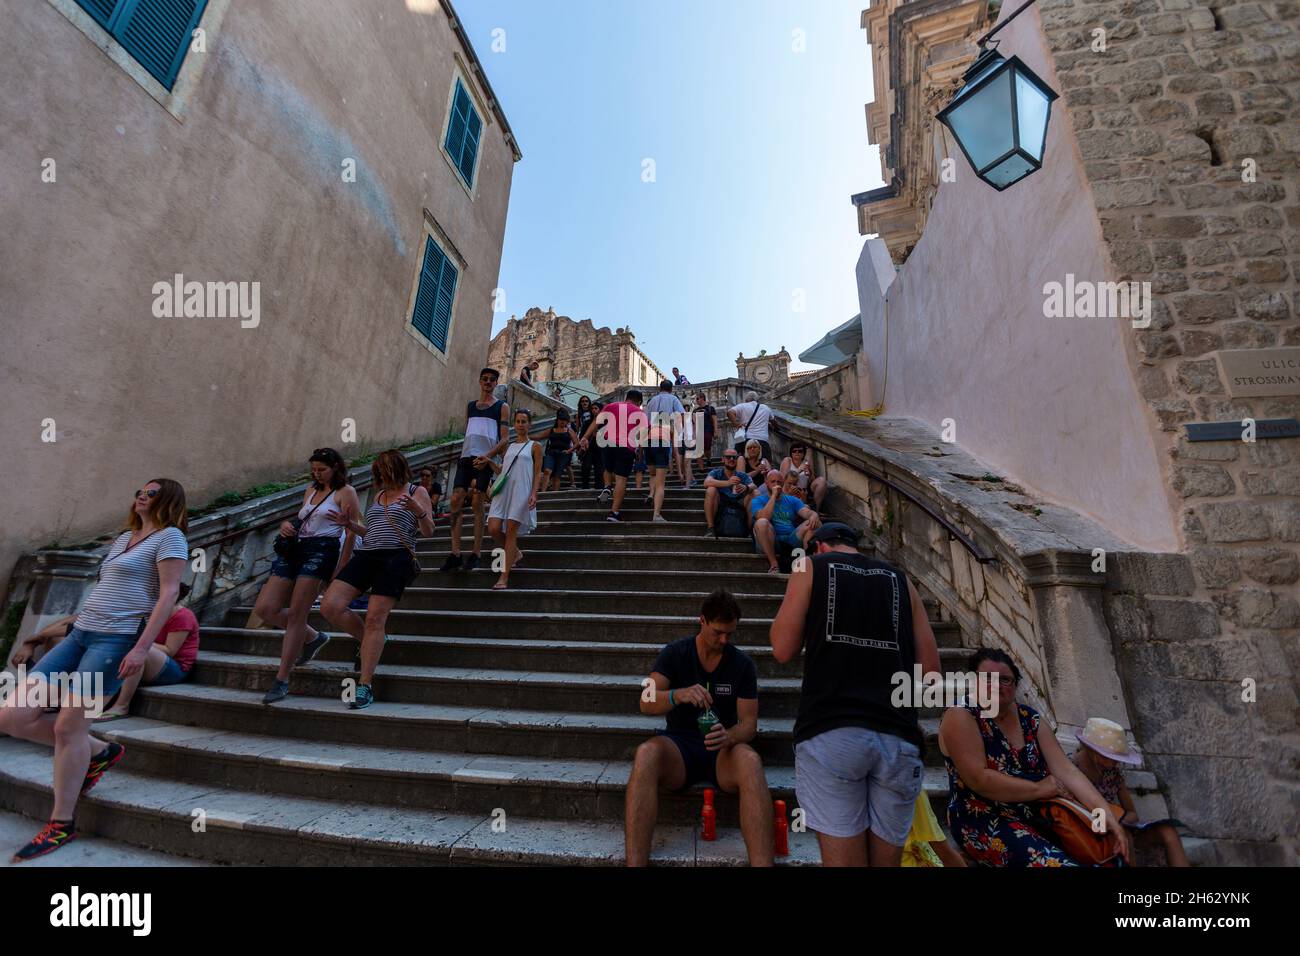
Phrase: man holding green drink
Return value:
(707, 688)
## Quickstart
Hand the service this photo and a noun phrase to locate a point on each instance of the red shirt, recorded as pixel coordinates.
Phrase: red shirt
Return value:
(622, 421)
(183, 620)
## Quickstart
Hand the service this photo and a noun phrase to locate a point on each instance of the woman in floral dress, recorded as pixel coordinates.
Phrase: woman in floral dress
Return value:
(1000, 767)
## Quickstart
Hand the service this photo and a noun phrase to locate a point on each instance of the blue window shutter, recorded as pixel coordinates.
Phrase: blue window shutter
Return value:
(102, 10)
(442, 309)
(426, 294)
(157, 33)
(458, 127)
(470, 153)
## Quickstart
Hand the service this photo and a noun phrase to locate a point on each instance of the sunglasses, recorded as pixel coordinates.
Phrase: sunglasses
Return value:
(151, 493)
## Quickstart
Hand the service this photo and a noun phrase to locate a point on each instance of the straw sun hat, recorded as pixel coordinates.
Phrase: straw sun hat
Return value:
(1108, 739)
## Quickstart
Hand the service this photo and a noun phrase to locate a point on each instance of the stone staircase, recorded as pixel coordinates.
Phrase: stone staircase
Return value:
(504, 726)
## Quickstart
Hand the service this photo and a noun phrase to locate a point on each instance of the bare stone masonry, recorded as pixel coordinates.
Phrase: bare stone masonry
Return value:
(1189, 128)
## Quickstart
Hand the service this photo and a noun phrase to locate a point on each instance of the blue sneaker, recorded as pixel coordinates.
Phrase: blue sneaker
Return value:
(279, 691)
(365, 697)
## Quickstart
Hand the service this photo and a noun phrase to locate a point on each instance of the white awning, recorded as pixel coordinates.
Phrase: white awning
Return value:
(835, 346)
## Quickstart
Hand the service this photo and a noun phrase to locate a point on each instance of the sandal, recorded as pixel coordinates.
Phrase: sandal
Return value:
(500, 586)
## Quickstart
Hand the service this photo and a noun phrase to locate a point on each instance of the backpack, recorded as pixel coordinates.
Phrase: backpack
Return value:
(731, 519)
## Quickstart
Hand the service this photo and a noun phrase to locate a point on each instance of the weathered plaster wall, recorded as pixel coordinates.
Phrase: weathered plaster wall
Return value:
(968, 339)
(247, 187)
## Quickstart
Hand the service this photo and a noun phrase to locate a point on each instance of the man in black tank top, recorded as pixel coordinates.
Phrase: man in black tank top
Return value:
(858, 768)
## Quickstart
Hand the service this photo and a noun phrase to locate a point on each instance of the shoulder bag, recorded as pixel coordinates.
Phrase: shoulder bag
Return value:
(743, 433)
(287, 548)
(1069, 824)
(499, 485)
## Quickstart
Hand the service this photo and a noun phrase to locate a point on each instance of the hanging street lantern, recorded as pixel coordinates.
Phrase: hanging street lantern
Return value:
(999, 118)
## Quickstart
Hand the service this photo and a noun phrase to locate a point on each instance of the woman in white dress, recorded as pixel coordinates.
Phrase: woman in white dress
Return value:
(514, 508)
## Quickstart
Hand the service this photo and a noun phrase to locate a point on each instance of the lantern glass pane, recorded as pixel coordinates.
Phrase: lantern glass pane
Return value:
(1008, 171)
(982, 121)
(1033, 107)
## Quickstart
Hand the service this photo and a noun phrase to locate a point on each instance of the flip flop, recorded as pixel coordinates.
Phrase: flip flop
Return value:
(500, 587)
(105, 718)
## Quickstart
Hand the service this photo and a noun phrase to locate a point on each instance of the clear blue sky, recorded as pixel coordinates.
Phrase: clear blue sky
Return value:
(757, 150)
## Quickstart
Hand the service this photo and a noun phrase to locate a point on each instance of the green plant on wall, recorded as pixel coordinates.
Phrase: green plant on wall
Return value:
(9, 628)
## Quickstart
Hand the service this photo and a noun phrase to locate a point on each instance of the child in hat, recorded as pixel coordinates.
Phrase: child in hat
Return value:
(1103, 748)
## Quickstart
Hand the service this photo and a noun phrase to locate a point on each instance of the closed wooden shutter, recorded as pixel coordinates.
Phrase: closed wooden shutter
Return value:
(463, 132)
(434, 296)
(155, 32)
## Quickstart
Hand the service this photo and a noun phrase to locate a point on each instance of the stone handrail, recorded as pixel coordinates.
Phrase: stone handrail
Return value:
(1013, 573)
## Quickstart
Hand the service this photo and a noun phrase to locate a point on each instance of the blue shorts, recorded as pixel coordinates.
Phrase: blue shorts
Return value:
(88, 653)
(659, 457)
(556, 462)
(852, 779)
(170, 674)
(701, 763)
(313, 558)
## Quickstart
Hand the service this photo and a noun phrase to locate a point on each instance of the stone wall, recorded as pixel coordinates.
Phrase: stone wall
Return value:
(1188, 124)
(567, 350)
(833, 389)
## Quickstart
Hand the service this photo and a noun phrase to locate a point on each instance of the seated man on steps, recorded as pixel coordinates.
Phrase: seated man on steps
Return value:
(692, 676)
(780, 520)
(728, 488)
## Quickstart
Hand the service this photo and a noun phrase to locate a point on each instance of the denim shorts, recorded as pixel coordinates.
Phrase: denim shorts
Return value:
(556, 462)
(88, 653)
(313, 558)
(852, 779)
(659, 456)
(170, 674)
(789, 539)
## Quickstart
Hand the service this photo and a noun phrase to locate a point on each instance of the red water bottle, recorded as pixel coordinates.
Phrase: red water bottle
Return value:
(709, 818)
(781, 830)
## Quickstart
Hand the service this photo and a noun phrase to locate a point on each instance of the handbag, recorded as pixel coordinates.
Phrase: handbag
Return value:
(743, 433)
(499, 485)
(1069, 824)
(287, 548)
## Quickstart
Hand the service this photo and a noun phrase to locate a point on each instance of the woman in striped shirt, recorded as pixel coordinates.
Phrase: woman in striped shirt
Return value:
(383, 564)
(139, 581)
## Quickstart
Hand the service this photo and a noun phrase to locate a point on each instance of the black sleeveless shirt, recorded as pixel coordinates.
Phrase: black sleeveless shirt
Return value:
(857, 636)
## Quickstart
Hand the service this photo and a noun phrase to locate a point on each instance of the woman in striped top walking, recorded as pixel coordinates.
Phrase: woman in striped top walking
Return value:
(139, 582)
(384, 564)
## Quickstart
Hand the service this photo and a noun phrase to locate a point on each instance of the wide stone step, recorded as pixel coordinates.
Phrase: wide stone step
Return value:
(478, 653)
(563, 790)
(671, 493)
(638, 561)
(444, 727)
(634, 511)
(630, 528)
(604, 537)
(497, 689)
(562, 601)
(704, 577)
(244, 826)
(637, 628)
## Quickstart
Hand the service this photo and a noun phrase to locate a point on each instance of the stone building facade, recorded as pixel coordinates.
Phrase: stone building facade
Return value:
(1173, 159)
(572, 350)
(770, 371)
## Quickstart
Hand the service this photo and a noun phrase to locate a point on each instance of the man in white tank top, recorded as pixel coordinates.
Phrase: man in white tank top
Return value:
(487, 425)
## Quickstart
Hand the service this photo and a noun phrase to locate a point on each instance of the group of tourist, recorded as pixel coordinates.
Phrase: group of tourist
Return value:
(859, 772)
(857, 756)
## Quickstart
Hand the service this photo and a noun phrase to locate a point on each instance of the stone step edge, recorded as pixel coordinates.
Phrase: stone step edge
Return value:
(627, 683)
(609, 775)
(776, 728)
(177, 820)
(532, 645)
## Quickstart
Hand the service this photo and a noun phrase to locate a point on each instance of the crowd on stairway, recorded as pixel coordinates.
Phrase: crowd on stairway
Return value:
(856, 621)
